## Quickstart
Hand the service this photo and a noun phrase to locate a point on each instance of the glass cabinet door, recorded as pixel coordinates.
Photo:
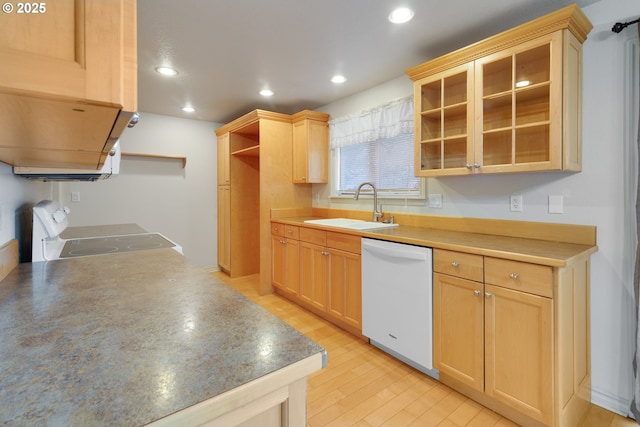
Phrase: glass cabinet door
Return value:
(514, 92)
(444, 105)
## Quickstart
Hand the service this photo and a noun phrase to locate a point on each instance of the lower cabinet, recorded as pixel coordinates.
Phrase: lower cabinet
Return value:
(314, 269)
(515, 338)
(285, 258)
(518, 351)
(285, 268)
(328, 276)
(458, 334)
(345, 287)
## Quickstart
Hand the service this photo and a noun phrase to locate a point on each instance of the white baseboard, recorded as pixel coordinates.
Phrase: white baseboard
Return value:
(610, 402)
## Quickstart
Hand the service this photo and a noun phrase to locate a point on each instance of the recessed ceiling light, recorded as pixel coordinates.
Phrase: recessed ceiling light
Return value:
(188, 109)
(401, 15)
(167, 71)
(338, 79)
(266, 92)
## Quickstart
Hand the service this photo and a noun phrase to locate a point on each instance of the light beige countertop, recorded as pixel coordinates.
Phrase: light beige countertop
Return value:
(545, 252)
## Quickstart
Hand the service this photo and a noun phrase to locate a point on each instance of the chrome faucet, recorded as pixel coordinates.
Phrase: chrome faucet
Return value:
(376, 213)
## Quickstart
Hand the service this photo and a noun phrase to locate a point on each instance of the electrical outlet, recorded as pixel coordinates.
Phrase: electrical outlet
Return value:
(75, 196)
(515, 203)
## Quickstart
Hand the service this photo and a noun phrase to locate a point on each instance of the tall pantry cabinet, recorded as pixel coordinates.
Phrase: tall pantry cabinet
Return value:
(257, 151)
(224, 204)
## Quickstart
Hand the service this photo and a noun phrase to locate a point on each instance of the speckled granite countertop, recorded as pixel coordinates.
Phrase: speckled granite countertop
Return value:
(126, 339)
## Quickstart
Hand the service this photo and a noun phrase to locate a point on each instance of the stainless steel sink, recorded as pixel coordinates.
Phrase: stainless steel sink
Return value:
(353, 224)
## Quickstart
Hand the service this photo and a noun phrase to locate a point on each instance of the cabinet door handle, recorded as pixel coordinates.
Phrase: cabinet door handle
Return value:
(514, 276)
(469, 166)
(455, 264)
(488, 294)
(284, 242)
(477, 292)
(324, 253)
(476, 165)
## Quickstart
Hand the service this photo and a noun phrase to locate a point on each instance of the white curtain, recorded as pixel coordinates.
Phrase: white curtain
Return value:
(385, 121)
(635, 404)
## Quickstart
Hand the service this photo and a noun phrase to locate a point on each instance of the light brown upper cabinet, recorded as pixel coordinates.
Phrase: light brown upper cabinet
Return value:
(65, 74)
(81, 49)
(510, 103)
(310, 147)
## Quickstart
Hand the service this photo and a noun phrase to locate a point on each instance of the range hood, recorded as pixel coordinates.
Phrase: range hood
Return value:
(110, 167)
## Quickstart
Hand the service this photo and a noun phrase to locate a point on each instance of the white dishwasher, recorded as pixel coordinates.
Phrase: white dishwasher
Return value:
(397, 299)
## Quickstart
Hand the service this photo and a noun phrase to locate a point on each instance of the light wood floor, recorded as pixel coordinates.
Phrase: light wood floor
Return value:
(364, 387)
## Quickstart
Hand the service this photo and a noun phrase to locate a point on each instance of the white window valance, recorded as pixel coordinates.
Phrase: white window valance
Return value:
(385, 121)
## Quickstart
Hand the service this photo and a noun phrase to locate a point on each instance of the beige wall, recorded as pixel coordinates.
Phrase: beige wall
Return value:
(158, 194)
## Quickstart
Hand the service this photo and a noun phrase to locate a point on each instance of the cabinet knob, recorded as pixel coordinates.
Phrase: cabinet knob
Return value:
(290, 231)
(477, 292)
(469, 166)
(476, 165)
(284, 242)
(488, 294)
(454, 264)
(324, 253)
(275, 228)
(514, 276)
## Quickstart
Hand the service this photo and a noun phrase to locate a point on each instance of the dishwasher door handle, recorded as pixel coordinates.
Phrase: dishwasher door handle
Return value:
(400, 253)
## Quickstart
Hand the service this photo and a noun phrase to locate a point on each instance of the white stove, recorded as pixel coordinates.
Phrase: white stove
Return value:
(50, 220)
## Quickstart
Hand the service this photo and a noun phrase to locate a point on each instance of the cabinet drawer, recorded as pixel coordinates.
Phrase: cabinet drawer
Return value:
(344, 242)
(519, 276)
(311, 235)
(277, 229)
(459, 264)
(291, 232)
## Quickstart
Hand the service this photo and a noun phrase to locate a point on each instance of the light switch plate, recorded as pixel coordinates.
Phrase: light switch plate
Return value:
(556, 204)
(435, 201)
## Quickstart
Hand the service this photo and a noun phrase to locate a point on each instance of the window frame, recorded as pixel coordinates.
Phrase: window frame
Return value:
(419, 195)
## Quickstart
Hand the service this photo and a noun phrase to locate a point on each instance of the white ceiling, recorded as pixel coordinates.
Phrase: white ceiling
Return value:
(226, 51)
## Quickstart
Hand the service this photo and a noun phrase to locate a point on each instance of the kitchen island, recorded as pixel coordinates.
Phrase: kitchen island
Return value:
(142, 337)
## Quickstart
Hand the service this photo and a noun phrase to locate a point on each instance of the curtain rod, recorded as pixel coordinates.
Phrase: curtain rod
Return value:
(619, 26)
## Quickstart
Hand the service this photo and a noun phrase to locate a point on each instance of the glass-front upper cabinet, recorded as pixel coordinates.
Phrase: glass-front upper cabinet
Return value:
(510, 103)
(519, 93)
(444, 105)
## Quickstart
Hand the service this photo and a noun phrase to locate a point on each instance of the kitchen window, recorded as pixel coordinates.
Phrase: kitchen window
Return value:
(376, 146)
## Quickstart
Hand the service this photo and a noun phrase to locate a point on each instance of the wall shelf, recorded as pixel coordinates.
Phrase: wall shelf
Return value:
(158, 156)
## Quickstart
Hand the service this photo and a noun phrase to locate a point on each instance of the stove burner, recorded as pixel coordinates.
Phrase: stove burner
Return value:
(107, 245)
(133, 237)
(91, 251)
